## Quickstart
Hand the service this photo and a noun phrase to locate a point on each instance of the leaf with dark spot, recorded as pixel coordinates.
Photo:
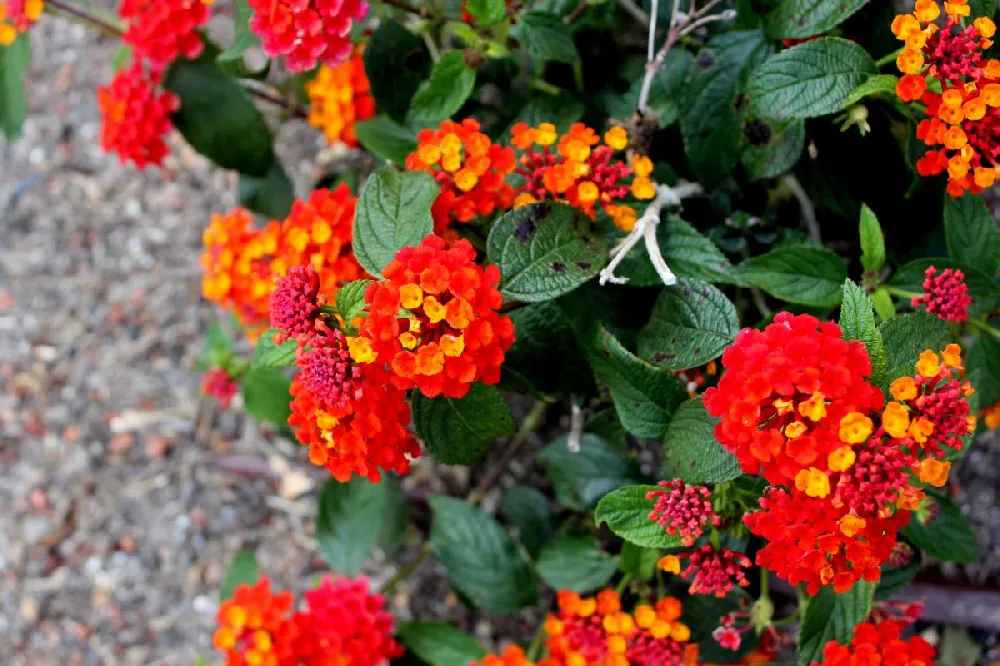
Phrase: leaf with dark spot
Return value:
(558, 267)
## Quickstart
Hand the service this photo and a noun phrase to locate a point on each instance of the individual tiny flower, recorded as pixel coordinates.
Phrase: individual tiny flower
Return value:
(470, 169)
(934, 472)
(160, 31)
(345, 623)
(727, 638)
(306, 32)
(792, 395)
(16, 16)
(295, 304)
(879, 644)
(901, 556)
(683, 510)
(874, 484)
(946, 295)
(991, 417)
(220, 385)
(255, 627)
(580, 170)
(695, 379)
(433, 319)
(135, 116)
(715, 572)
(512, 656)
(340, 97)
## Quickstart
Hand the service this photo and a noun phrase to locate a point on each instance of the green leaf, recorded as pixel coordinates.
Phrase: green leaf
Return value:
(385, 139)
(561, 110)
(639, 562)
(857, 322)
(984, 291)
(459, 431)
(393, 528)
(984, 368)
(794, 19)
(779, 154)
(218, 118)
(581, 478)
(710, 120)
(199, 661)
(947, 537)
(832, 617)
(266, 396)
(444, 93)
(440, 643)
(542, 327)
(529, 511)
(350, 301)
(645, 396)
(905, 336)
(271, 196)
(626, 511)
(218, 348)
(880, 85)
(487, 12)
(688, 253)
(349, 522)
(798, 274)
(884, 306)
(543, 251)
(809, 80)
(872, 240)
(545, 37)
(691, 324)
(894, 580)
(394, 211)
(575, 563)
(979, 8)
(267, 354)
(480, 558)
(13, 67)
(242, 571)
(690, 450)
(396, 62)
(244, 38)
(972, 234)
(664, 93)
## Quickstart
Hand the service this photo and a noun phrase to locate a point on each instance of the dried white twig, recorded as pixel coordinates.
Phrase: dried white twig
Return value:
(805, 206)
(645, 228)
(575, 438)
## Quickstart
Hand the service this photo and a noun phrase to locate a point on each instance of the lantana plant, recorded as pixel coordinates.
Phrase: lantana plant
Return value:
(728, 266)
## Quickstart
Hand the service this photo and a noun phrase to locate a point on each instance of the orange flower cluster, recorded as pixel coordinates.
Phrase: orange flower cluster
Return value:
(579, 171)
(991, 416)
(16, 16)
(879, 644)
(343, 624)
(338, 98)
(469, 168)
(962, 126)
(434, 320)
(794, 404)
(241, 261)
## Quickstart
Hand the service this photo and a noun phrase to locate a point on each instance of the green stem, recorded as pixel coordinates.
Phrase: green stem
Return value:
(887, 58)
(623, 583)
(536, 643)
(406, 571)
(984, 327)
(765, 583)
(900, 292)
(87, 16)
(545, 86)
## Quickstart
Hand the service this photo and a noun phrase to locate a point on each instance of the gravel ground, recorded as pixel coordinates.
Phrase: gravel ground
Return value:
(121, 499)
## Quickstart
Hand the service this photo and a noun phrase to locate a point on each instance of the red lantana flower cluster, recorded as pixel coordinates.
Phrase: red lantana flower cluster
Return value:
(879, 644)
(579, 171)
(433, 320)
(963, 119)
(160, 31)
(220, 385)
(135, 116)
(306, 32)
(241, 262)
(16, 16)
(343, 623)
(946, 295)
(683, 509)
(468, 167)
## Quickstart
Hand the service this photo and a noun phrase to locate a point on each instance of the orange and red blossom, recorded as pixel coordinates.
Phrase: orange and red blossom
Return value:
(339, 97)
(135, 116)
(16, 16)
(576, 168)
(470, 170)
(433, 320)
(160, 31)
(963, 119)
(513, 655)
(991, 416)
(256, 627)
(790, 396)
(306, 32)
(879, 644)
